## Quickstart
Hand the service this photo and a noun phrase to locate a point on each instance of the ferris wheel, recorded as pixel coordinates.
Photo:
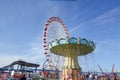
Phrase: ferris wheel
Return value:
(54, 29)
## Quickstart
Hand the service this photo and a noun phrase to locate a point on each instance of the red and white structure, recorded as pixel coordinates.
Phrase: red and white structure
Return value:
(54, 29)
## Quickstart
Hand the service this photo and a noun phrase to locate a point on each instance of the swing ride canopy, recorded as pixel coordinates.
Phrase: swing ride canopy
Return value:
(77, 46)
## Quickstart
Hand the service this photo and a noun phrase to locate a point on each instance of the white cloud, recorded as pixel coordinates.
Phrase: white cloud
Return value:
(108, 46)
(33, 54)
(7, 59)
(36, 52)
(108, 17)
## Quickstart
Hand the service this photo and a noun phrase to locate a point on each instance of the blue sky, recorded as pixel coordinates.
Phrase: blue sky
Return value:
(22, 22)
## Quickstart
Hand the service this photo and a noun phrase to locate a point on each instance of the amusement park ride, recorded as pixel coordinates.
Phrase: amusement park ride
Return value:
(106, 76)
(59, 47)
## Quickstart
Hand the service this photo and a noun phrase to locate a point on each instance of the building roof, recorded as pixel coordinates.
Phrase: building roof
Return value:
(22, 63)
